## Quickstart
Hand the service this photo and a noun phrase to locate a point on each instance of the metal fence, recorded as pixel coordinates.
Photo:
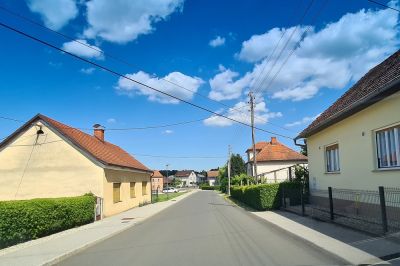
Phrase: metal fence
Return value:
(375, 211)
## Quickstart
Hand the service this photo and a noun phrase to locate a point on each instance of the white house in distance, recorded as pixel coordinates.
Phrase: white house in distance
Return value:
(355, 143)
(212, 177)
(188, 177)
(273, 160)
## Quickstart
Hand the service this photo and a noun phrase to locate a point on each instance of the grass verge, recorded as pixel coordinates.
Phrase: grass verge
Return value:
(165, 197)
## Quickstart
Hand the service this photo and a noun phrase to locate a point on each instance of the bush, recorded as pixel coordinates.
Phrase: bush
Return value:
(207, 187)
(267, 196)
(24, 220)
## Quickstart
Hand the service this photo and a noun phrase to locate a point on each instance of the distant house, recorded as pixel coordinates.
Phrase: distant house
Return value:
(273, 160)
(188, 177)
(157, 181)
(212, 177)
(45, 158)
(355, 143)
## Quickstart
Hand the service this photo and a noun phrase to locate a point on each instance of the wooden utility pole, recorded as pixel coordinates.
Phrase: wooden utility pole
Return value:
(253, 136)
(229, 170)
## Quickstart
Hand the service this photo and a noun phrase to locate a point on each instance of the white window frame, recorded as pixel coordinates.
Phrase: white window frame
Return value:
(333, 153)
(387, 147)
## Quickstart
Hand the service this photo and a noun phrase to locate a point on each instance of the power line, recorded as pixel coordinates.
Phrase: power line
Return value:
(177, 157)
(381, 4)
(132, 80)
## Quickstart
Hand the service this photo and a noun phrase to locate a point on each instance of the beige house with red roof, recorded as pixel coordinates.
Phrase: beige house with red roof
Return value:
(45, 158)
(273, 160)
(355, 143)
(157, 181)
(212, 177)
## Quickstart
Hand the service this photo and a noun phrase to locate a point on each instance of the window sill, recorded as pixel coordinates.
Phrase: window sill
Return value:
(117, 202)
(386, 169)
(332, 173)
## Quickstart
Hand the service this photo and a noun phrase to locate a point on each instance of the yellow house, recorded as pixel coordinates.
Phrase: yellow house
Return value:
(45, 158)
(355, 143)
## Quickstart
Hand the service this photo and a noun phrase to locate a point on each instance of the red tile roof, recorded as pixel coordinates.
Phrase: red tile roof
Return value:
(377, 84)
(276, 151)
(212, 174)
(103, 151)
(157, 174)
(259, 146)
(184, 173)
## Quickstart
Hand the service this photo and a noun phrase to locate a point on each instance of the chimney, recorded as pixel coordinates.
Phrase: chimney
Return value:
(98, 131)
(273, 140)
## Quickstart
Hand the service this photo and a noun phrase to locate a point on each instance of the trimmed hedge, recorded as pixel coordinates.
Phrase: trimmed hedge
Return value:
(207, 187)
(267, 196)
(24, 220)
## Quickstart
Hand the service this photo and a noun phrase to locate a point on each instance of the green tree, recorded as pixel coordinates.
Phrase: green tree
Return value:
(222, 178)
(304, 150)
(237, 165)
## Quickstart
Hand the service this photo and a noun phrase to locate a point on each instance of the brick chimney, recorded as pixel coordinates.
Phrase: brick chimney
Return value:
(98, 131)
(273, 140)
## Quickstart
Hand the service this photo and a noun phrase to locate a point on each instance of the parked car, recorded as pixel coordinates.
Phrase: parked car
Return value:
(170, 190)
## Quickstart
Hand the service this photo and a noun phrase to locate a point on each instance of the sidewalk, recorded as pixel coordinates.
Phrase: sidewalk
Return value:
(51, 249)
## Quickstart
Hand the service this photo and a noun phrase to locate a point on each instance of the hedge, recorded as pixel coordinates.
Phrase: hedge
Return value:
(267, 196)
(24, 220)
(207, 187)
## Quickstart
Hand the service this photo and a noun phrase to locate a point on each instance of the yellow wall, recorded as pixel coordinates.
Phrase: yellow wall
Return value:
(357, 151)
(55, 169)
(124, 177)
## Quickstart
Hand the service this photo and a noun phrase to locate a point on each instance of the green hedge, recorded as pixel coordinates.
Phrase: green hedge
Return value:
(267, 196)
(23, 220)
(207, 187)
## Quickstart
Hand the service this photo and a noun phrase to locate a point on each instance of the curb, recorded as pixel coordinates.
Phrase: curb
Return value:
(88, 245)
(351, 255)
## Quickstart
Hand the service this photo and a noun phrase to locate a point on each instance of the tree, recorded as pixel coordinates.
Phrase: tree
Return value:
(222, 178)
(237, 165)
(304, 150)
(176, 182)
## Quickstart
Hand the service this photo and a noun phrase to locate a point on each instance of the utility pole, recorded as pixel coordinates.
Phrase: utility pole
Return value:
(253, 136)
(229, 170)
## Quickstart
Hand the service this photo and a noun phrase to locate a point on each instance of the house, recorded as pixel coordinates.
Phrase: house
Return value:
(157, 181)
(45, 159)
(212, 177)
(355, 143)
(273, 160)
(188, 177)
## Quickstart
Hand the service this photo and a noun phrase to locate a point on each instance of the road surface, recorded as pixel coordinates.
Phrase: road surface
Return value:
(203, 229)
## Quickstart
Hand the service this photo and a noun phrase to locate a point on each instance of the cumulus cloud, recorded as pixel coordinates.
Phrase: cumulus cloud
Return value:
(240, 113)
(83, 48)
(188, 86)
(218, 41)
(88, 70)
(332, 57)
(124, 20)
(55, 14)
(225, 86)
(304, 121)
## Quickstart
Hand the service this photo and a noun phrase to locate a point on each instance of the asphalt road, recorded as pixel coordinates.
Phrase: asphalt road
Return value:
(203, 229)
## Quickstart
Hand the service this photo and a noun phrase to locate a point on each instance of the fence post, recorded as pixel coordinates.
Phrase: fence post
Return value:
(330, 202)
(383, 209)
(303, 209)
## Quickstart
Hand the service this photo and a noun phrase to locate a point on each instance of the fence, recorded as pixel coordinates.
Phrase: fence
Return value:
(278, 175)
(376, 211)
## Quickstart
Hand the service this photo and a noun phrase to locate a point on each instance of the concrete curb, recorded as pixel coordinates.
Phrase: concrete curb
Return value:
(87, 245)
(316, 239)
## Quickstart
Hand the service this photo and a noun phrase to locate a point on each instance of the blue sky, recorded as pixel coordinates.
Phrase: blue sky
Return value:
(220, 49)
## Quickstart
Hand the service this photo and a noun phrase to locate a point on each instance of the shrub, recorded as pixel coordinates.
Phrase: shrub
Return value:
(24, 220)
(267, 196)
(207, 187)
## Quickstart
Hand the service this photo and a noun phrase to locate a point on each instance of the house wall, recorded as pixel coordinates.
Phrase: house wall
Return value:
(357, 150)
(126, 202)
(157, 184)
(281, 175)
(51, 168)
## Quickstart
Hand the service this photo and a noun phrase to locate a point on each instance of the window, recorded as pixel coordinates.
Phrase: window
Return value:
(132, 189)
(144, 188)
(388, 147)
(116, 192)
(332, 158)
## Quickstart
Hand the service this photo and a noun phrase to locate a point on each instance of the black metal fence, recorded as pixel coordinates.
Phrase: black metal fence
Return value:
(375, 211)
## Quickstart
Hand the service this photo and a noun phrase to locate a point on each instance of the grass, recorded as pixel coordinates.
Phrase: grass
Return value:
(165, 197)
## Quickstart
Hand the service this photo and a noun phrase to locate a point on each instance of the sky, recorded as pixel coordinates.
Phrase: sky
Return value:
(296, 56)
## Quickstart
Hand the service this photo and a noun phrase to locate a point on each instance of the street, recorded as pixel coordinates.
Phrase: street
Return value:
(203, 229)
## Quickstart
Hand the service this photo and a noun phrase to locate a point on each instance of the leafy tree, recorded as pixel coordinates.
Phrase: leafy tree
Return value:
(242, 179)
(222, 178)
(237, 165)
(304, 150)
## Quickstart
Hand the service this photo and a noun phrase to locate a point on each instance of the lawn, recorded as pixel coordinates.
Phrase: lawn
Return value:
(165, 197)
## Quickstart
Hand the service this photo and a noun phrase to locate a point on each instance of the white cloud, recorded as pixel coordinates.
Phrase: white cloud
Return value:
(88, 70)
(240, 113)
(225, 87)
(168, 131)
(218, 41)
(55, 14)
(332, 57)
(83, 48)
(191, 85)
(305, 120)
(111, 120)
(124, 20)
